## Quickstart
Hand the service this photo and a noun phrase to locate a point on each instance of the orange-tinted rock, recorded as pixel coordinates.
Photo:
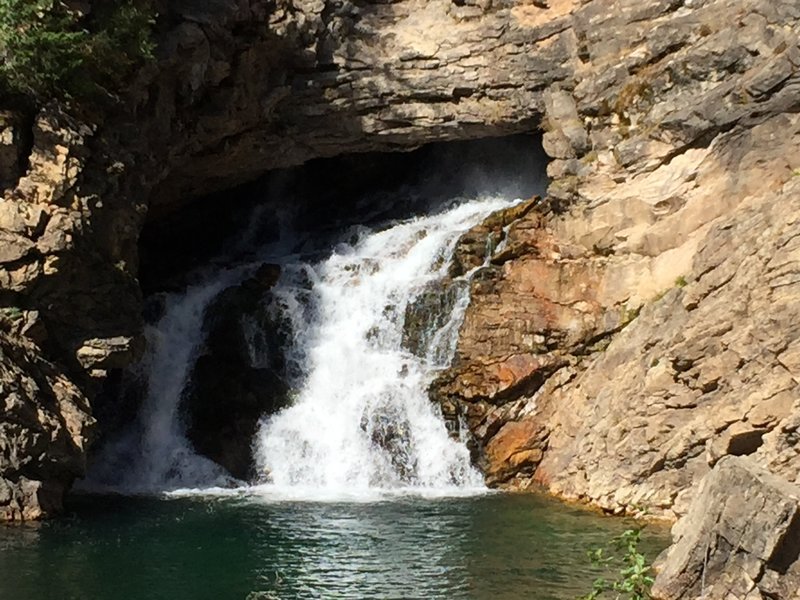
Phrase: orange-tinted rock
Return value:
(516, 449)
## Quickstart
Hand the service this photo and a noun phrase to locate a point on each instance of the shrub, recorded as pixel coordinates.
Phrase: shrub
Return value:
(634, 575)
(50, 50)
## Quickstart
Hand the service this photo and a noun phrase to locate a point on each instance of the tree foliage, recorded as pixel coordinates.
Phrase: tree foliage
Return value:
(51, 50)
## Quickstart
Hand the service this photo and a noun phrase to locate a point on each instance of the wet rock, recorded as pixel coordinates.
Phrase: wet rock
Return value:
(429, 312)
(389, 432)
(740, 539)
(478, 245)
(516, 450)
(240, 376)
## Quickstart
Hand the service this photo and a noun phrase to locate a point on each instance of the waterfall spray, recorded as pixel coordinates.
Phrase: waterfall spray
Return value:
(362, 421)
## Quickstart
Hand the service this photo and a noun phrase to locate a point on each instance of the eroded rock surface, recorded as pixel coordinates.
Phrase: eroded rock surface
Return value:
(670, 123)
(641, 323)
(739, 540)
(45, 427)
(238, 88)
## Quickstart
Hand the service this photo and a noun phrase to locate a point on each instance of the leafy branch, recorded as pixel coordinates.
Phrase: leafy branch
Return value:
(50, 50)
(634, 575)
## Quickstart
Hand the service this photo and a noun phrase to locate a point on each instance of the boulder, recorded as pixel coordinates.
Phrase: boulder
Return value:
(389, 432)
(739, 540)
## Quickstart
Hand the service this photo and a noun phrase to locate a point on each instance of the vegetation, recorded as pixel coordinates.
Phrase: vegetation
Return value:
(633, 573)
(12, 313)
(681, 282)
(51, 50)
(630, 313)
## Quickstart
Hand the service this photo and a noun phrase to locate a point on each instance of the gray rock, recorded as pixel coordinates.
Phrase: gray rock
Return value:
(739, 540)
(240, 376)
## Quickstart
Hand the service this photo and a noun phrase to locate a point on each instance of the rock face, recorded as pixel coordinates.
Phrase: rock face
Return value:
(45, 427)
(739, 540)
(239, 88)
(641, 323)
(240, 376)
(327, 77)
(670, 130)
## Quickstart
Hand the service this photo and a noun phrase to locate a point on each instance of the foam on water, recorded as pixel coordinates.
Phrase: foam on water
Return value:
(362, 422)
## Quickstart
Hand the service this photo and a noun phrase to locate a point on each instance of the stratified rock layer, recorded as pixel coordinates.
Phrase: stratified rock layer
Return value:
(643, 322)
(670, 123)
(238, 88)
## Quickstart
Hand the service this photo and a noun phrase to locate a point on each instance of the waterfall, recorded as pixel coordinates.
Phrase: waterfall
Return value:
(167, 458)
(362, 420)
(361, 423)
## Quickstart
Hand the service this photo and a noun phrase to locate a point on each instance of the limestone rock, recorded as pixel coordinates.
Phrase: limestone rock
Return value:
(657, 282)
(740, 539)
(671, 131)
(109, 353)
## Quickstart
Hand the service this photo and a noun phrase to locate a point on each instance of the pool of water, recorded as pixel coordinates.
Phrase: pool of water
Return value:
(497, 546)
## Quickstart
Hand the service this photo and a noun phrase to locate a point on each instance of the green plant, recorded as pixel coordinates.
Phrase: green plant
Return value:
(50, 50)
(633, 578)
(681, 282)
(630, 313)
(11, 313)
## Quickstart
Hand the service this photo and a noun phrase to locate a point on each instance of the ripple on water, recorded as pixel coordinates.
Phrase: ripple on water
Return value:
(495, 546)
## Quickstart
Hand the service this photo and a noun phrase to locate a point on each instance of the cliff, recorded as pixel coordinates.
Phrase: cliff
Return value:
(641, 324)
(637, 326)
(238, 88)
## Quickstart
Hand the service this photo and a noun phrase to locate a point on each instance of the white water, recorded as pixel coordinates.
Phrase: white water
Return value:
(362, 421)
(167, 457)
(361, 425)
(155, 456)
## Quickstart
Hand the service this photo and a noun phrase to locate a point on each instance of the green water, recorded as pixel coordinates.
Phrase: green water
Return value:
(494, 547)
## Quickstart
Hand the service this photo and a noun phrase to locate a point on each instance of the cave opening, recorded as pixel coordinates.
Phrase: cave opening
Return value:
(335, 192)
(219, 351)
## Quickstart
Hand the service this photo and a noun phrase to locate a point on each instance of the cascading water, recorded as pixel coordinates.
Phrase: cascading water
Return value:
(167, 457)
(359, 423)
(155, 454)
(362, 420)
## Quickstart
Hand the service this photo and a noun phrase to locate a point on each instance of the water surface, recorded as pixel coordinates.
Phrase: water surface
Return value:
(495, 546)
